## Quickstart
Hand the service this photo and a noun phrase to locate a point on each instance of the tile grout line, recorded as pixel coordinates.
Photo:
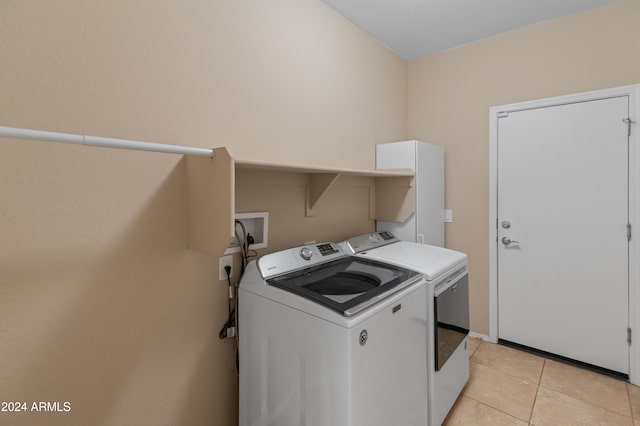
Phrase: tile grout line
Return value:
(514, 377)
(494, 408)
(633, 420)
(483, 403)
(586, 401)
(535, 398)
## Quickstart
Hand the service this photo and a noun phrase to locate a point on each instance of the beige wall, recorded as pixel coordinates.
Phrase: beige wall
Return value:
(101, 304)
(450, 95)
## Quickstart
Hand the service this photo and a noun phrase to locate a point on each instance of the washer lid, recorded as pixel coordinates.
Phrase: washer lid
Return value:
(346, 285)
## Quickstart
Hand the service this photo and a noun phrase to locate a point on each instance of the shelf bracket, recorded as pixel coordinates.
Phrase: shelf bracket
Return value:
(317, 186)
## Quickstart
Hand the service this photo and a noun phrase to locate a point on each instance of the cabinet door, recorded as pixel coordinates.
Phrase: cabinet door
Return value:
(430, 193)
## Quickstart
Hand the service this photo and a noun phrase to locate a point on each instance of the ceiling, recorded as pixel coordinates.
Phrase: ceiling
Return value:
(416, 28)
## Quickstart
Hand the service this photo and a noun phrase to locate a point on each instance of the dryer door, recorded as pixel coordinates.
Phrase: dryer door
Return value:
(451, 315)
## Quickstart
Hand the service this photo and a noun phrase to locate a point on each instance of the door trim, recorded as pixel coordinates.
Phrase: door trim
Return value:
(633, 92)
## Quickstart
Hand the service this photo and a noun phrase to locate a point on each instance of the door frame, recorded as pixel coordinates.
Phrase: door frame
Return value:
(633, 92)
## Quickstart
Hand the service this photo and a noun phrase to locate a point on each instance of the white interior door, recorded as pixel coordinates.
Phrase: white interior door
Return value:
(563, 203)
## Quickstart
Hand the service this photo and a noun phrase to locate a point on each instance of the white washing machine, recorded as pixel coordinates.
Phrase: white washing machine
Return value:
(330, 339)
(447, 302)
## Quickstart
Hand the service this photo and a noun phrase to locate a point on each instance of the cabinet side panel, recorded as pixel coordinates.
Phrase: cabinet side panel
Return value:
(430, 193)
(210, 202)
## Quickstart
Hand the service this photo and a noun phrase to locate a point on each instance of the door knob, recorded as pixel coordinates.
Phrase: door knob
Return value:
(508, 241)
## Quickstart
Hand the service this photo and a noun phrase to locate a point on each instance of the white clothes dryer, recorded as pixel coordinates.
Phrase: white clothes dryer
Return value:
(447, 303)
(326, 338)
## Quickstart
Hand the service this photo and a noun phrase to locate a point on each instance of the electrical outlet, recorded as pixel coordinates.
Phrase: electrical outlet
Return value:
(225, 261)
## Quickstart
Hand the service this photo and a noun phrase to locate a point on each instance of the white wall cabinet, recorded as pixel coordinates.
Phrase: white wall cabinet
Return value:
(426, 225)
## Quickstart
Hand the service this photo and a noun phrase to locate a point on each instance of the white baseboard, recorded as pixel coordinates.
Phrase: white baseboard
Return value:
(481, 336)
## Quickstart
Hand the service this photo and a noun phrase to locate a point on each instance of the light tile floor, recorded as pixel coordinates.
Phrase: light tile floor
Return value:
(511, 387)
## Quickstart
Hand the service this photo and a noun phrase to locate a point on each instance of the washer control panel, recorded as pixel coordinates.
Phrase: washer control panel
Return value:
(296, 258)
(366, 242)
(327, 249)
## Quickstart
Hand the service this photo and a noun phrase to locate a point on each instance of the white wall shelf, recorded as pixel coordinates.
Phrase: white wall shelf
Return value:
(211, 194)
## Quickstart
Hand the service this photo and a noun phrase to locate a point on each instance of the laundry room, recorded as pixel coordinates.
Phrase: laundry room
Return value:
(111, 297)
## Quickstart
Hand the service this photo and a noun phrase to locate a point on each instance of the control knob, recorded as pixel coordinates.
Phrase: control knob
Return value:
(306, 253)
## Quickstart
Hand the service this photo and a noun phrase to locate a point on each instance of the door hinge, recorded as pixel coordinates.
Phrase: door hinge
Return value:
(628, 122)
(503, 114)
(628, 232)
(629, 335)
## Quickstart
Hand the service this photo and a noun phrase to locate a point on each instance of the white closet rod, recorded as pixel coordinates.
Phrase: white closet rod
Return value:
(14, 132)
